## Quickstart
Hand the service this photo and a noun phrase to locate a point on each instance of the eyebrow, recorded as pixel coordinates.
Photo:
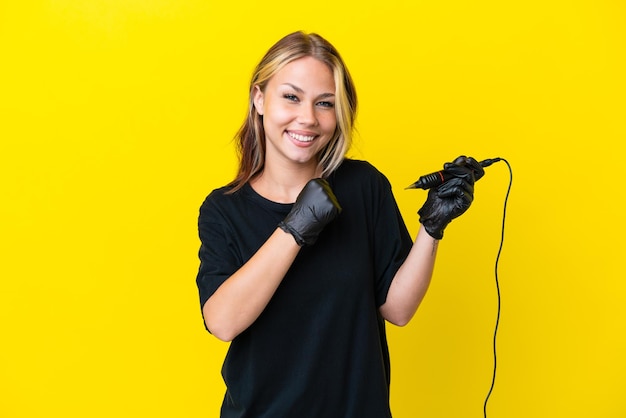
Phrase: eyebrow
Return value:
(299, 90)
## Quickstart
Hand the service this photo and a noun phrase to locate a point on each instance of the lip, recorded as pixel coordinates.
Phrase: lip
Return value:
(302, 138)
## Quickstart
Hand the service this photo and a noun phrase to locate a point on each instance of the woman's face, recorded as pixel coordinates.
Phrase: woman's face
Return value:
(298, 108)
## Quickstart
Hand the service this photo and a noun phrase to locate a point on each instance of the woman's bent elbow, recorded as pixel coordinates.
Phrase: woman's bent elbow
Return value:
(399, 319)
(218, 326)
(225, 334)
(400, 322)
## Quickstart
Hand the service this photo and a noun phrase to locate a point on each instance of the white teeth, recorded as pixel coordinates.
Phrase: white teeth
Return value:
(301, 138)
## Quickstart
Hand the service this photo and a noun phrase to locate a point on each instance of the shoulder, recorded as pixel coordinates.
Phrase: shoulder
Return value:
(219, 201)
(360, 166)
(218, 196)
(359, 171)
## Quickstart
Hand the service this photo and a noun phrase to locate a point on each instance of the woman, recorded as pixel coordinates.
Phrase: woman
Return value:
(304, 255)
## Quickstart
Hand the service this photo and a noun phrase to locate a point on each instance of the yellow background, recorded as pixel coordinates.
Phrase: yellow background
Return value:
(116, 119)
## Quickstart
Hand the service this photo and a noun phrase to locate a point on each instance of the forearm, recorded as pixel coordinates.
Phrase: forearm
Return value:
(411, 282)
(239, 301)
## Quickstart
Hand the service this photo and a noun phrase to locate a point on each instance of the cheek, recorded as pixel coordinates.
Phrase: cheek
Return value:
(278, 115)
(330, 122)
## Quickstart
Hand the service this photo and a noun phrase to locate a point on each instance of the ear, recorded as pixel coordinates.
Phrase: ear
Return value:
(258, 99)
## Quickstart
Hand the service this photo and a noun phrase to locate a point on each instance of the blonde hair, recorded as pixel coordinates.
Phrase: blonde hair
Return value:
(251, 136)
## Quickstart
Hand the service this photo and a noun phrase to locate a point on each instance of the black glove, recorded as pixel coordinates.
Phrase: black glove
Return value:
(314, 208)
(452, 198)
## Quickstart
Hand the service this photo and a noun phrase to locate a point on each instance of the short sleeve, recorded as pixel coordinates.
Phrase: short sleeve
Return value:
(218, 255)
(392, 241)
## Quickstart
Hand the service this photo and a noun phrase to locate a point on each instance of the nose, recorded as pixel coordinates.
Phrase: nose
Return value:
(307, 115)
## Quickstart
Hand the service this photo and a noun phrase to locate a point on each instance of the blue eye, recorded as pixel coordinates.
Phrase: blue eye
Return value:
(291, 97)
(326, 104)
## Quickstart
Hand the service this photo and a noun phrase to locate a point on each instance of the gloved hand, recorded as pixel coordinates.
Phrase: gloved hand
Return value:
(452, 198)
(314, 208)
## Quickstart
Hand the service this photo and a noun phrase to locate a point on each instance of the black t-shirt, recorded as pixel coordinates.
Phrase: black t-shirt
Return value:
(319, 348)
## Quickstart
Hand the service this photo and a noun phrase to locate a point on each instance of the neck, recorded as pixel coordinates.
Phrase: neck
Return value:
(283, 186)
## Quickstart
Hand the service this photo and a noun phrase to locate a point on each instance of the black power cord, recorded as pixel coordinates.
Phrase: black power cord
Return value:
(495, 333)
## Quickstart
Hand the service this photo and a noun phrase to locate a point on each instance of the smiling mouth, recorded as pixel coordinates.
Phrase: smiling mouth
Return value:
(301, 138)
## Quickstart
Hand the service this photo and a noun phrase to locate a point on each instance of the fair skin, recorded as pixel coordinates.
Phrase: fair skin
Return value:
(299, 119)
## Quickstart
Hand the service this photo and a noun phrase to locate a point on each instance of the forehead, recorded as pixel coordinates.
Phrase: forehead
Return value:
(306, 72)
